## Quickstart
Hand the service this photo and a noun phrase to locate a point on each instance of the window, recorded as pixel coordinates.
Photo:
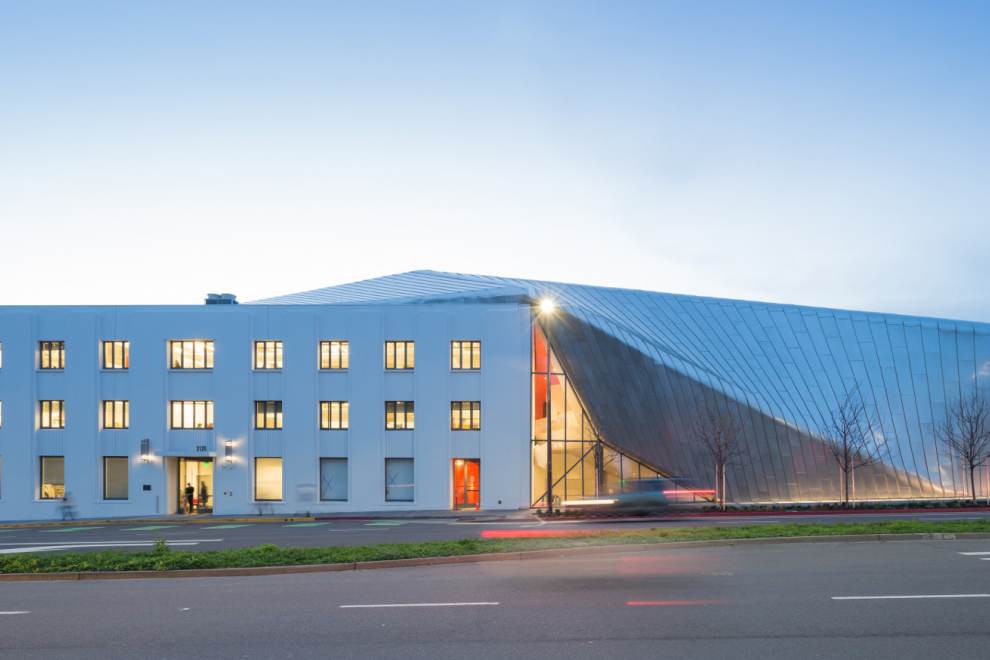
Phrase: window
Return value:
(335, 355)
(268, 479)
(1, 414)
(399, 415)
(465, 354)
(268, 354)
(52, 414)
(334, 415)
(116, 354)
(116, 414)
(399, 484)
(52, 354)
(268, 415)
(1, 354)
(333, 479)
(115, 477)
(191, 354)
(400, 354)
(52, 477)
(191, 415)
(465, 415)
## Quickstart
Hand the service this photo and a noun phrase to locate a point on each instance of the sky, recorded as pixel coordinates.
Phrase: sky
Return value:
(823, 153)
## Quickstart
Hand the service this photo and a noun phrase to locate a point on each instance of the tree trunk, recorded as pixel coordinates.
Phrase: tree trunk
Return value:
(723, 488)
(972, 482)
(845, 495)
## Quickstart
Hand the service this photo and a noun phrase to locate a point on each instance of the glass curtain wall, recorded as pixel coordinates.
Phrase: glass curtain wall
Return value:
(582, 465)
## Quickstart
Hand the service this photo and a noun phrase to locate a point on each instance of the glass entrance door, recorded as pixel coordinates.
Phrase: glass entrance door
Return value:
(467, 483)
(196, 485)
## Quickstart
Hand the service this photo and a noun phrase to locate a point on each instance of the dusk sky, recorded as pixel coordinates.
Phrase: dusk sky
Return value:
(823, 153)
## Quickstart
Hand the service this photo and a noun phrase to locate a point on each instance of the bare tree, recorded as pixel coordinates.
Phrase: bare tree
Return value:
(966, 432)
(718, 432)
(848, 434)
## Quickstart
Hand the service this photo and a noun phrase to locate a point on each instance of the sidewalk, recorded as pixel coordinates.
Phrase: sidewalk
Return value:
(524, 515)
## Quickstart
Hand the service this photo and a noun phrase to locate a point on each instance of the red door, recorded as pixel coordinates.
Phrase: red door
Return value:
(467, 483)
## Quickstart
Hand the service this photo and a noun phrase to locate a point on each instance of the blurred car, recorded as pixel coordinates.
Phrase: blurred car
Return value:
(643, 497)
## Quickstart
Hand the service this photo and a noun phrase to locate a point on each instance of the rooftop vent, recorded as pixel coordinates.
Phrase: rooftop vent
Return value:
(220, 299)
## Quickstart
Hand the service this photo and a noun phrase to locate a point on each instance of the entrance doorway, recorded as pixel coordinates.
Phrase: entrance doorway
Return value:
(467, 483)
(195, 474)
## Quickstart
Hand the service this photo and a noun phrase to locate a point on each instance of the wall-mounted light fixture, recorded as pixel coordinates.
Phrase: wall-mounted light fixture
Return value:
(145, 449)
(547, 305)
(228, 452)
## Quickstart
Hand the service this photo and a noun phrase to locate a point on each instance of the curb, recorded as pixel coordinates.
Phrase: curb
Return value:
(551, 553)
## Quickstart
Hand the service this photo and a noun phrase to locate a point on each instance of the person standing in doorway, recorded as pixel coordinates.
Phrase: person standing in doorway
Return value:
(204, 495)
(190, 494)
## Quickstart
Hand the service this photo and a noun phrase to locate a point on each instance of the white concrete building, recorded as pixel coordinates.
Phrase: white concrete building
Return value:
(274, 408)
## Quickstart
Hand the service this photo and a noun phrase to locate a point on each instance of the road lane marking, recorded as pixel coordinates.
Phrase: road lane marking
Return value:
(671, 603)
(60, 530)
(974, 554)
(84, 545)
(306, 524)
(385, 523)
(17, 612)
(380, 605)
(228, 526)
(911, 597)
(149, 528)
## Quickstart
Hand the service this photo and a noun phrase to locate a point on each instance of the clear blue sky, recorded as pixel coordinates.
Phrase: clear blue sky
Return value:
(830, 153)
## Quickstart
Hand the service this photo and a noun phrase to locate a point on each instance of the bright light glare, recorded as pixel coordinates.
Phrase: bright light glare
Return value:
(547, 305)
(588, 502)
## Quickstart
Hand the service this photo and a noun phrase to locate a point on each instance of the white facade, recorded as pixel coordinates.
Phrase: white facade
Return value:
(233, 384)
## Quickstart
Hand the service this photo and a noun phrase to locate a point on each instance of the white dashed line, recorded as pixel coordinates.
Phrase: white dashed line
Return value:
(348, 607)
(911, 597)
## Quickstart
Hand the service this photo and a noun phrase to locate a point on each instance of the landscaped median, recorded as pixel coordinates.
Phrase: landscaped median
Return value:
(490, 546)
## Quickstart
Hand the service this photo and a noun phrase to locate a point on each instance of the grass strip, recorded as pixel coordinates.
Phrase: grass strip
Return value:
(163, 558)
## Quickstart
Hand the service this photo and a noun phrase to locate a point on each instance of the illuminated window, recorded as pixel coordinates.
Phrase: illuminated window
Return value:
(268, 479)
(400, 354)
(191, 415)
(399, 415)
(268, 415)
(333, 479)
(334, 415)
(465, 354)
(399, 482)
(52, 414)
(52, 354)
(115, 477)
(268, 354)
(52, 477)
(190, 354)
(335, 355)
(116, 414)
(465, 415)
(116, 354)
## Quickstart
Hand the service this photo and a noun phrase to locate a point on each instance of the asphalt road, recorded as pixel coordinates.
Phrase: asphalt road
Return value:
(218, 534)
(828, 600)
